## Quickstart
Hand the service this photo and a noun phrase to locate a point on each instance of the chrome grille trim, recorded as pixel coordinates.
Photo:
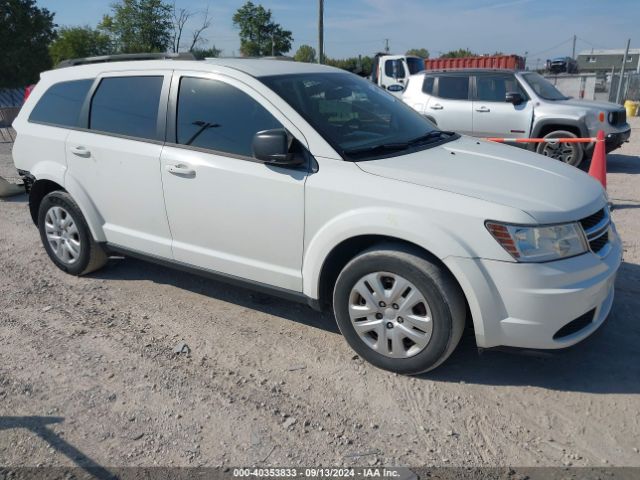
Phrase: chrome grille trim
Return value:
(594, 233)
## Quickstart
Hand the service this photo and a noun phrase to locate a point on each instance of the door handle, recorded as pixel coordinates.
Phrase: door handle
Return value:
(483, 109)
(80, 151)
(437, 106)
(181, 169)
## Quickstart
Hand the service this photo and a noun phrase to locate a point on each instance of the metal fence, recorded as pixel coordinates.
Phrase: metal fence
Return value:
(11, 97)
(630, 87)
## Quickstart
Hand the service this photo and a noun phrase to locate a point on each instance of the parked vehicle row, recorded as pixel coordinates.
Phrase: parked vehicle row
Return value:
(314, 184)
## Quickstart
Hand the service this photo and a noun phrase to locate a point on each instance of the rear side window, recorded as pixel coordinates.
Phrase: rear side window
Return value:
(61, 103)
(127, 106)
(427, 86)
(453, 87)
(216, 116)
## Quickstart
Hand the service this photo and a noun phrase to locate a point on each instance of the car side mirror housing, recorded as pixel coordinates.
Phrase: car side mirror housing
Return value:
(514, 97)
(274, 147)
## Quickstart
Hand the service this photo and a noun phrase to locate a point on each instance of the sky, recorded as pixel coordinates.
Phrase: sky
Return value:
(540, 28)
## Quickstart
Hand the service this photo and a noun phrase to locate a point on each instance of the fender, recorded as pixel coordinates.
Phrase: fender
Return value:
(391, 222)
(538, 125)
(58, 173)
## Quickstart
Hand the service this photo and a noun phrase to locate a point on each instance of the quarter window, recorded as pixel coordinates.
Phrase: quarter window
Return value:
(493, 88)
(453, 87)
(127, 106)
(61, 103)
(216, 116)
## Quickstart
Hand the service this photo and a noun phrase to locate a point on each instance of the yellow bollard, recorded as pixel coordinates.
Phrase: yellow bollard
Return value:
(631, 107)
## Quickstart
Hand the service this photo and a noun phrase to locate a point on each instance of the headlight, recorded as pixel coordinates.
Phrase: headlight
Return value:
(540, 244)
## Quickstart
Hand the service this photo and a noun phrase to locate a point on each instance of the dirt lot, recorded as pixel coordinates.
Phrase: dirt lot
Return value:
(88, 373)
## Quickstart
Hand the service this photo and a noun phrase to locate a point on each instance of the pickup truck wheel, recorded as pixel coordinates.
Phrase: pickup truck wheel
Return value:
(569, 153)
(66, 236)
(398, 310)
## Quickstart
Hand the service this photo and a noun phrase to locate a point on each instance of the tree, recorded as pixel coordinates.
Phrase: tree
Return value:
(25, 34)
(460, 53)
(359, 65)
(418, 52)
(202, 53)
(197, 33)
(259, 35)
(181, 17)
(305, 53)
(75, 42)
(137, 26)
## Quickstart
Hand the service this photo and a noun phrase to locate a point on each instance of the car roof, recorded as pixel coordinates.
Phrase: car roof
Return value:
(253, 67)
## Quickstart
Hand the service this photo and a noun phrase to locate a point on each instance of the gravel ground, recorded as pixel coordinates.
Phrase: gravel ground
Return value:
(88, 373)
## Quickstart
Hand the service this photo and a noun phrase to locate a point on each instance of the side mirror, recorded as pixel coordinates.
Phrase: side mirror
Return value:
(273, 147)
(513, 97)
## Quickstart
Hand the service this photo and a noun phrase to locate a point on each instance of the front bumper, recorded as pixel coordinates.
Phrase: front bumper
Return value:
(526, 305)
(616, 139)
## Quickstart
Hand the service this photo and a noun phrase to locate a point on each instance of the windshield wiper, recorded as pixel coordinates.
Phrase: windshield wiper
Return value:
(429, 136)
(384, 147)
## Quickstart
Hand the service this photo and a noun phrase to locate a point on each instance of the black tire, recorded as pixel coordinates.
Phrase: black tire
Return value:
(436, 284)
(92, 256)
(577, 151)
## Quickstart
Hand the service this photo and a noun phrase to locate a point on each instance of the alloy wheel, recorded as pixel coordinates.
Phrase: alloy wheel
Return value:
(62, 235)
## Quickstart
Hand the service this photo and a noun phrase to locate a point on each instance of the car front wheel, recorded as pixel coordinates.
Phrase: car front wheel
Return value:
(569, 153)
(398, 309)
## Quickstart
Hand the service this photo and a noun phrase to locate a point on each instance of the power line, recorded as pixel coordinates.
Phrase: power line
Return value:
(570, 39)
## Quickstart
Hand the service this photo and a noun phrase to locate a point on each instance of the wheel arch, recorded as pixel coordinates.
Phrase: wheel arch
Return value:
(545, 127)
(45, 184)
(349, 248)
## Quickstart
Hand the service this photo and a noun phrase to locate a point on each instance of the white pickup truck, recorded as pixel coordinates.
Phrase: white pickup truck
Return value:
(392, 72)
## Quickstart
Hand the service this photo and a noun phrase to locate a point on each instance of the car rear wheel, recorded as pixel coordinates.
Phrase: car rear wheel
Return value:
(569, 153)
(66, 236)
(398, 310)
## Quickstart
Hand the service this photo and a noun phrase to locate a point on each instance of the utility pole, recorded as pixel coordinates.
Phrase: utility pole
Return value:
(573, 55)
(320, 31)
(624, 64)
(273, 45)
(386, 45)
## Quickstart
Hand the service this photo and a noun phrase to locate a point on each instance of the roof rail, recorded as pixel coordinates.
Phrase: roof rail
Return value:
(124, 57)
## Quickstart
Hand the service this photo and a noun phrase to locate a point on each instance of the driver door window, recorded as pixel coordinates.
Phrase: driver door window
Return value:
(228, 212)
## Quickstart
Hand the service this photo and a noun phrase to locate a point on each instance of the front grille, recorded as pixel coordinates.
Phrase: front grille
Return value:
(592, 220)
(618, 117)
(596, 229)
(599, 243)
(575, 325)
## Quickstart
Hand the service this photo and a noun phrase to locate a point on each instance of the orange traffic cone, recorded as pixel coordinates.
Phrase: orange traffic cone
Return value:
(598, 168)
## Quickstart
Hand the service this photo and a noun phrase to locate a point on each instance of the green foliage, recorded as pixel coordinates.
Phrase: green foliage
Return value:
(25, 33)
(305, 53)
(460, 53)
(418, 52)
(137, 26)
(202, 53)
(360, 66)
(76, 42)
(259, 35)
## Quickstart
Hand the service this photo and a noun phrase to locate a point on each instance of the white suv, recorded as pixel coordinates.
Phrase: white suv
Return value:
(314, 184)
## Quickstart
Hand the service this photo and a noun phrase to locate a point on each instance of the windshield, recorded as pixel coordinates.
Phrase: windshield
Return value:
(415, 65)
(358, 118)
(543, 87)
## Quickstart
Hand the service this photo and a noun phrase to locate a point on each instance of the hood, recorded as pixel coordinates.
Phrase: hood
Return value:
(572, 102)
(546, 189)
